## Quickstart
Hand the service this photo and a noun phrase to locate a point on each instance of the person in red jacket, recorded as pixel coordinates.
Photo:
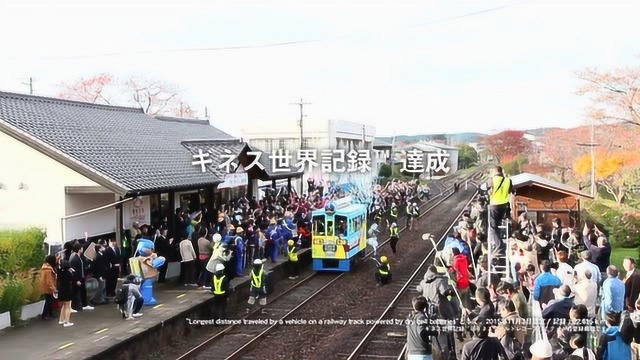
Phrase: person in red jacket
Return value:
(460, 269)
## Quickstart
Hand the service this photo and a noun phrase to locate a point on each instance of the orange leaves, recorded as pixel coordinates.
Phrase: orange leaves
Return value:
(608, 164)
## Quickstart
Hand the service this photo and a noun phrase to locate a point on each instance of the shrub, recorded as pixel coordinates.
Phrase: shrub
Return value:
(21, 250)
(13, 297)
(626, 231)
(31, 282)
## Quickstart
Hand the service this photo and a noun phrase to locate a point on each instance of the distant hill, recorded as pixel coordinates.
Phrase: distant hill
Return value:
(458, 138)
(455, 139)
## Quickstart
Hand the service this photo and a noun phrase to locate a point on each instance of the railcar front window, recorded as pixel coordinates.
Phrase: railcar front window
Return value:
(318, 225)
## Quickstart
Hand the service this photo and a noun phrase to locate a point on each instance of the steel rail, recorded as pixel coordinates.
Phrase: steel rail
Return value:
(361, 345)
(446, 193)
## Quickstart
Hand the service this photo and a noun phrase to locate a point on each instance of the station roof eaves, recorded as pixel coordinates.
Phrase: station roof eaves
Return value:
(120, 148)
(527, 179)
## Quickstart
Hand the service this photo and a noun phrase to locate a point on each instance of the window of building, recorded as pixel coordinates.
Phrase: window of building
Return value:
(305, 143)
(282, 144)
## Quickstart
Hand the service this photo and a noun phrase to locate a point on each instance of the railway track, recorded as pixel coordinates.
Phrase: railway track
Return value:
(386, 337)
(235, 339)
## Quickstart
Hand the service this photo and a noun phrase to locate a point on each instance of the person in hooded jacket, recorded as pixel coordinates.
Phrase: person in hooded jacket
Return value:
(436, 289)
(614, 342)
(221, 288)
(635, 321)
(219, 253)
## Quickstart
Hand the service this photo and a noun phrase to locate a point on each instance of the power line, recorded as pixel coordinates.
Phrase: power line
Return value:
(269, 45)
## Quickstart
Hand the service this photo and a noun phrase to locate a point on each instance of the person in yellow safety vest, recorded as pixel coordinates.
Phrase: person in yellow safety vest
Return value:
(393, 214)
(383, 272)
(292, 256)
(258, 285)
(395, 236)
(221, 289)
(499, 208)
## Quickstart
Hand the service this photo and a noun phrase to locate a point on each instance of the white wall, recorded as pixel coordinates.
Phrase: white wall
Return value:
(42, 202)
(96, 223)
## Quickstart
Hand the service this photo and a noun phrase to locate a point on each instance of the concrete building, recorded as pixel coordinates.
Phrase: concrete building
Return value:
(318, 134)
(62, 158)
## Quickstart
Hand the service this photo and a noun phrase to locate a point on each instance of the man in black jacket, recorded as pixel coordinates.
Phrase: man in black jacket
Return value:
(114, 257)
(79, 301)
(101, 267)
(482, 346)
(558, 310)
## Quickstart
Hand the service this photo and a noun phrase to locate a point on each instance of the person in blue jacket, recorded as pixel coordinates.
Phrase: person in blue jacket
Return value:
(240, 253)
(545, 283)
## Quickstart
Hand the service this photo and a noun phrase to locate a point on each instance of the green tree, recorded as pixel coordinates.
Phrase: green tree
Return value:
(385, 171)
(467, 156)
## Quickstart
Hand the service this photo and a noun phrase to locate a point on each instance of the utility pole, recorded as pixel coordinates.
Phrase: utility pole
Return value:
(30, 84)
(592, 145)
(301, 124)
(393, 149)
(206, 113)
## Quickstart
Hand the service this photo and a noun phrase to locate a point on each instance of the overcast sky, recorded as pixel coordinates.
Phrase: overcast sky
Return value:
(401, 66)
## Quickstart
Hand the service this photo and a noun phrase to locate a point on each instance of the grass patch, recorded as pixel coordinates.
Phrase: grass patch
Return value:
(618, 254)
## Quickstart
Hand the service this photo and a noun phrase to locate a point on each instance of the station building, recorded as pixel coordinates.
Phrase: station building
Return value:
(316, 134)
(544, 199)
(71, 167)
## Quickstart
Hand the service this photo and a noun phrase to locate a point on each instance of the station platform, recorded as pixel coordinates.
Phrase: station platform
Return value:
(103, 333)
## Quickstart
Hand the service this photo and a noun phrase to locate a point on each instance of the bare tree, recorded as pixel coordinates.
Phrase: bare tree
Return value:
(154, 97)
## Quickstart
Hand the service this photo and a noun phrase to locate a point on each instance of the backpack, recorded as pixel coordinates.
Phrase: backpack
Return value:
(122, 295)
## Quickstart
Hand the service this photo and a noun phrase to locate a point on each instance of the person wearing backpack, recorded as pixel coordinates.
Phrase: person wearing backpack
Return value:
(612, 344)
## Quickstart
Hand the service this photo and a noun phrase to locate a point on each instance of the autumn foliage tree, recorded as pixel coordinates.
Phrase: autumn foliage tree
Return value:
(616, 171)
(152, 96)
(507, 145)
(560, 150)
(615, 94)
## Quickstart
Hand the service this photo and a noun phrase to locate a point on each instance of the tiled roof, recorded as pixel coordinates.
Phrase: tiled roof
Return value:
(120, 148)
(526, 179)
(380, 143)
(216, 149)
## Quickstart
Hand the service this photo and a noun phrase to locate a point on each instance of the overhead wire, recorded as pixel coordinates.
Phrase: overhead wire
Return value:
(271, 45)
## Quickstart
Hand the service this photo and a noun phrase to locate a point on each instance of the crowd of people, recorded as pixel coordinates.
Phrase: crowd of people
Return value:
(560, 285)
(212, 247)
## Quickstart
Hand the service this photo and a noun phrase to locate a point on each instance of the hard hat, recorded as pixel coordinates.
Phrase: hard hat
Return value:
(217, 238)
(414, 204)
(393, 204)
(219, 267)
(239, 229)
(257, 262)
(383, 259)
(290, 242)
(394, 224)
